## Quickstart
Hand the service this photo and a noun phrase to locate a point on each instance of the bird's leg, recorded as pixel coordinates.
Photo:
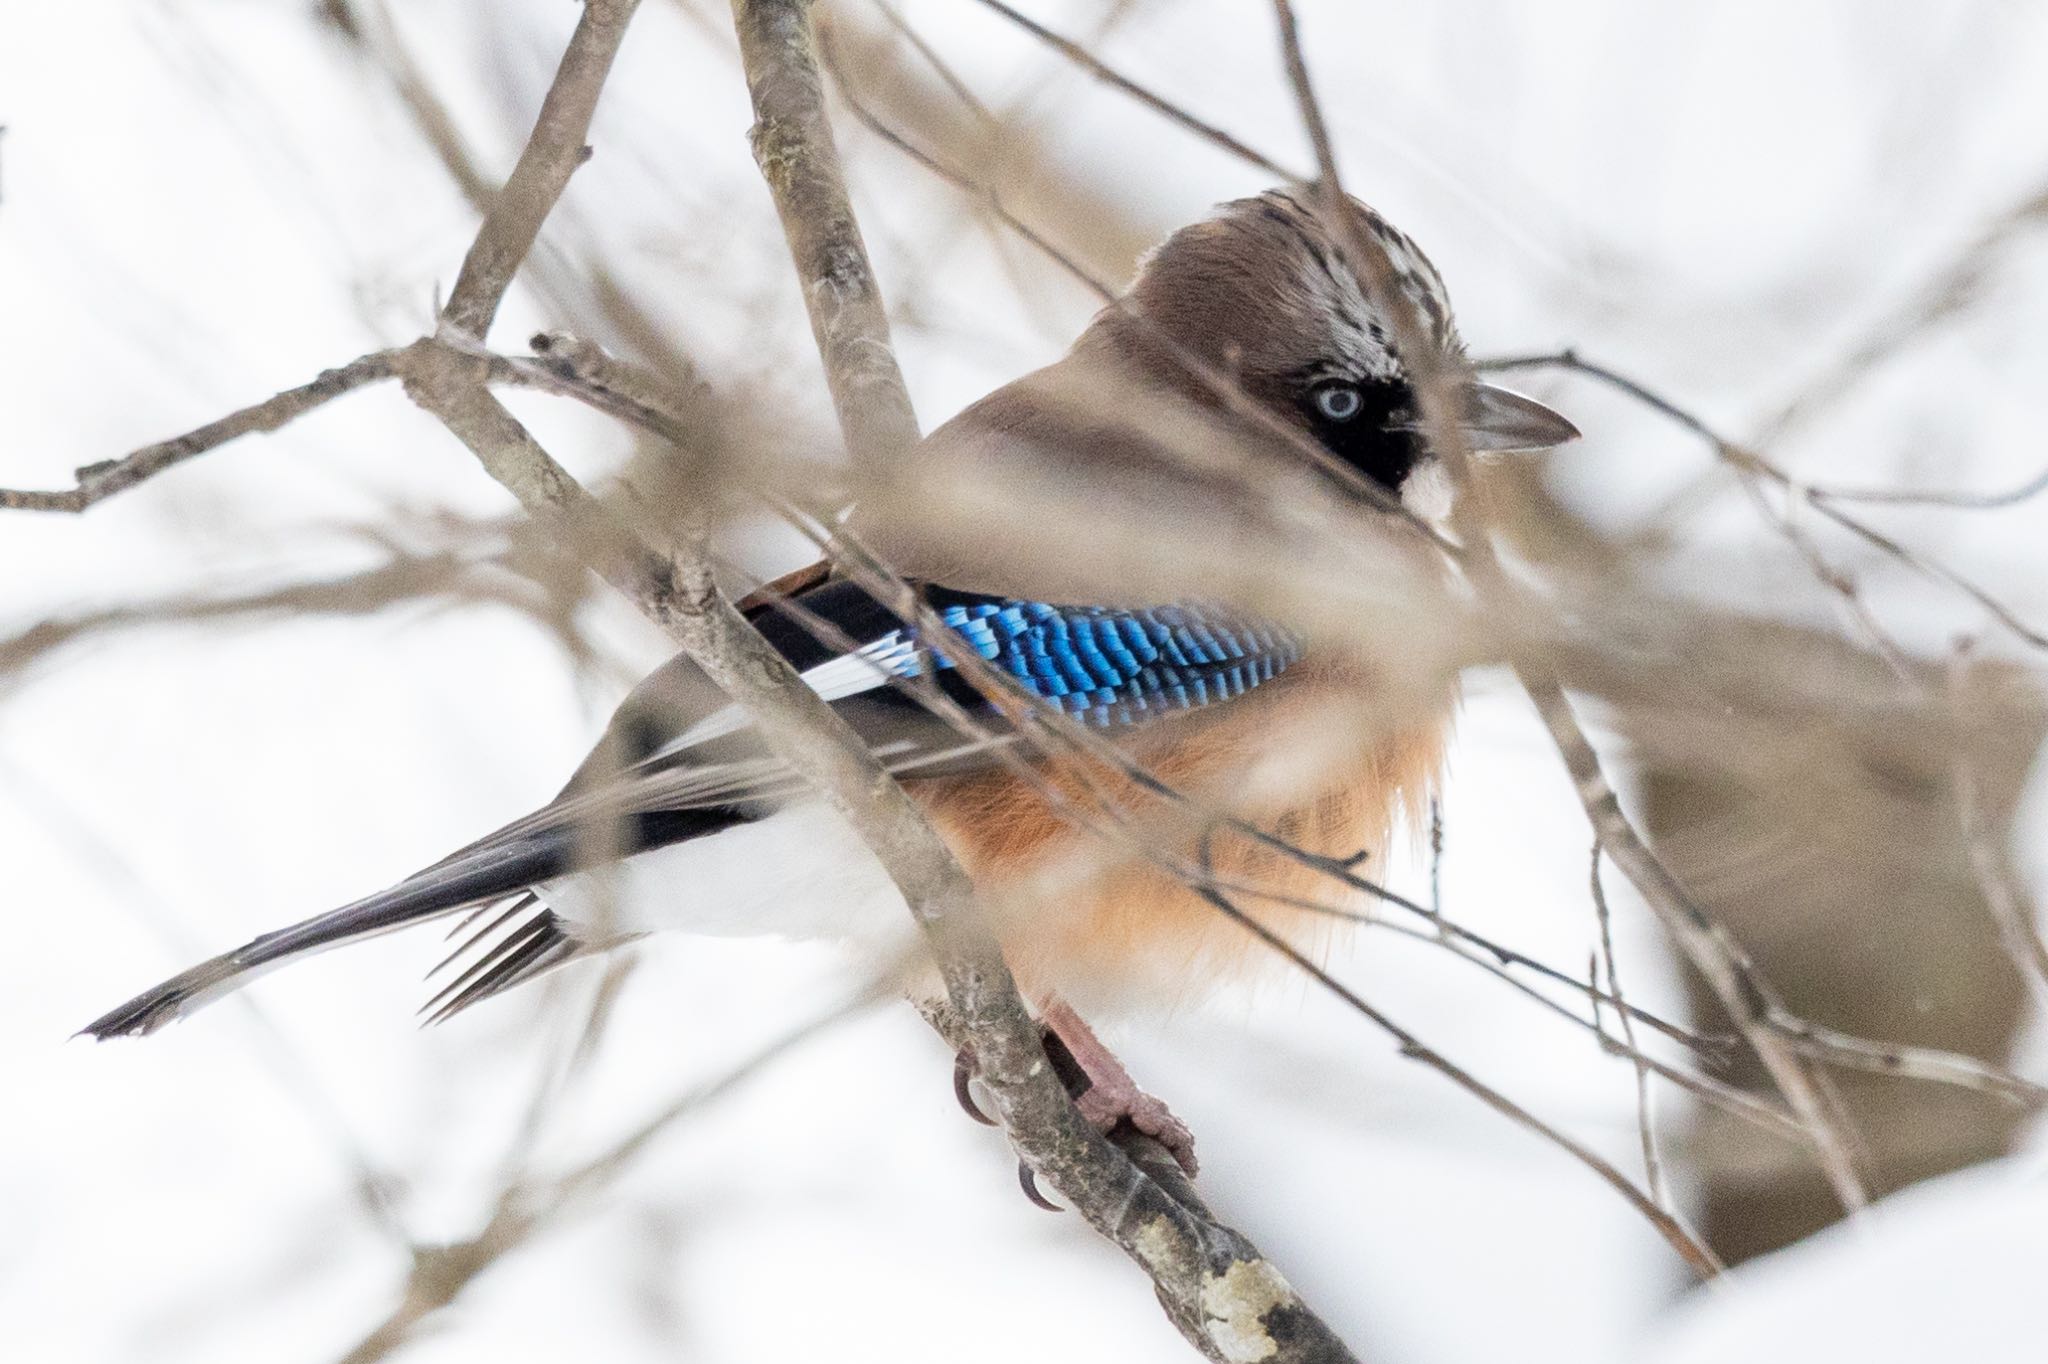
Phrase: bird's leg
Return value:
(1097, 1082)
(1103, 1090)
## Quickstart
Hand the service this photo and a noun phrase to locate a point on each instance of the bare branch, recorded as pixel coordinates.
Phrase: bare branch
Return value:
(1917, 1063)
(446, 575)
(1747, 460)
(793, 146)
(1696, 1255)
(102, 480)
(1716, 955)
(1108, 75)
(450, 385)
(552, 154)
(1214, 1284)
(1935, 497)
(1436, 376)
(1946, 293)
(1646, 1130)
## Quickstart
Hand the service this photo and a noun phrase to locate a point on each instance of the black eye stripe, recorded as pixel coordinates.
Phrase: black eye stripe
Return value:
(1370, 436)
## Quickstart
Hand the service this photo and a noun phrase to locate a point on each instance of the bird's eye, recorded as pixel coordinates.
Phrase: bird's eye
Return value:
(1338, 402)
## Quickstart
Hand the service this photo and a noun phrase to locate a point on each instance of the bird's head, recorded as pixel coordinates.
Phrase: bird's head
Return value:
(1259, 290)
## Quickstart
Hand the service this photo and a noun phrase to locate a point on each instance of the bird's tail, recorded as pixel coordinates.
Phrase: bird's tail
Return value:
(479, 876)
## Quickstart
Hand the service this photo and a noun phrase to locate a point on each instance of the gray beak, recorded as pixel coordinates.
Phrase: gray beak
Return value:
(1496, 419)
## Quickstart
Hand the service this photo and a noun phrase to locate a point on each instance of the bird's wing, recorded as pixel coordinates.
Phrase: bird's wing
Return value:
(1108, 667)
(674, 766)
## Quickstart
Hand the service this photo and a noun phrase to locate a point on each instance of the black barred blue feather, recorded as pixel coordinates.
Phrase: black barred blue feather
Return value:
(1105, 665)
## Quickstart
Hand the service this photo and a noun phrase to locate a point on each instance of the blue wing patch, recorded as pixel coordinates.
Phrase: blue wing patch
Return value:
(1109, 666)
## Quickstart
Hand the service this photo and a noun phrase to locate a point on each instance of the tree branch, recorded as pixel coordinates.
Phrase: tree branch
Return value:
(553, 152)
(793, 146)
(1228, 1300)
(1712, 951)
(1159, 104)
(103, 480)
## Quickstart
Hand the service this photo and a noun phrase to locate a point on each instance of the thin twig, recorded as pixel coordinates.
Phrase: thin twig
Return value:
(1653, 1167)
(550, 157)
(1745, 459)
(1435, 377)
(440, 1273)
(102, 480)
(1108, 75)
(1947, 292)
(1997, 879)
(987, 194)
(1916, 1063)
(1696, 1255)
(1954, 498)
(1713, 952)
(940, 67)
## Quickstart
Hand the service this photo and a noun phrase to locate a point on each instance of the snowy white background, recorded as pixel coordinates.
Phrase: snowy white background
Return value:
(201, 203)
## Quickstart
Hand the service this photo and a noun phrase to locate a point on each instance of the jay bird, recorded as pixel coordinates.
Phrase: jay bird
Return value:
(705, 832)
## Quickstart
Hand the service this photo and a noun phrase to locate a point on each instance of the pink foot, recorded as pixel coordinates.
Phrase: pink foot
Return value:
(1105, 1092)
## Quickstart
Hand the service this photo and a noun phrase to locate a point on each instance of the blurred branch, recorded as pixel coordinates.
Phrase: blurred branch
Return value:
(928, 100)
(1700, 1259)
(1954, 498)
(351, 21)
(579, 368)
(940, 68)
(1116, 80)
(1747, 460)
(1653, 1167)
(514, 579)
(1437, 377)
(986, 194)
(1713, 952)
(1951, 289)
(1999, 881)
(102, 480)
(526, 1207)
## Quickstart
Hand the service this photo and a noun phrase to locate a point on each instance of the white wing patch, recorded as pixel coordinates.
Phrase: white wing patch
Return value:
(871, 666)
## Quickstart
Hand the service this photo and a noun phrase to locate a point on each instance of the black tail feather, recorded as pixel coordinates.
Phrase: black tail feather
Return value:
(485, 876)
(177, 996)
(532, 948)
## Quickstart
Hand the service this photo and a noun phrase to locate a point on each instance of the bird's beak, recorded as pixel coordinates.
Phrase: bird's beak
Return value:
(1496, 419)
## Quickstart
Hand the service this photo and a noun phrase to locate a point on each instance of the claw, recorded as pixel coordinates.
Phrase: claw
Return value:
(963, 1086)
(1029, 1181)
